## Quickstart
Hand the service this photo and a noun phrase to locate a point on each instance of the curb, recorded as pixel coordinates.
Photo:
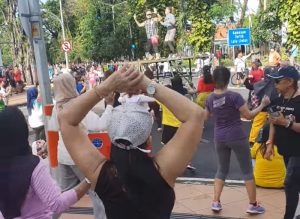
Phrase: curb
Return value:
(207, 181)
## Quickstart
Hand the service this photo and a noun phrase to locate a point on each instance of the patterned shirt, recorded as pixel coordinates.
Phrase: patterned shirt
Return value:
(151, 28)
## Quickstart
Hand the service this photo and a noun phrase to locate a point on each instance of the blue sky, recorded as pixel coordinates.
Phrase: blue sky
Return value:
(253, 4)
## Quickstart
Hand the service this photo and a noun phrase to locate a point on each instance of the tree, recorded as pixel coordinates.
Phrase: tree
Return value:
(267, 25)
(289, 10)
(269, 22)
(222, 11)
(243, 12)
(16, 43)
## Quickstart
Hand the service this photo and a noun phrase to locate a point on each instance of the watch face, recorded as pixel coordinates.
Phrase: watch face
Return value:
(151, 89)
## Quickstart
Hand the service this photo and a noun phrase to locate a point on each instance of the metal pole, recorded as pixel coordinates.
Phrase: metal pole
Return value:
(1, 62)
(63, 31)
(131, 40)
(40, 51)
(113, 14)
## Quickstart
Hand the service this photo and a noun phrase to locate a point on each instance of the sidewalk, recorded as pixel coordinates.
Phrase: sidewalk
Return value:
(195, 199)
(18, 99)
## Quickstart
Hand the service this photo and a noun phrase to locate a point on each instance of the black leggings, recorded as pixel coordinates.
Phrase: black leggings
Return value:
(292, 186)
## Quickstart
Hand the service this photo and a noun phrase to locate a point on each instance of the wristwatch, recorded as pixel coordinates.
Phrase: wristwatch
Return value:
(151, 89)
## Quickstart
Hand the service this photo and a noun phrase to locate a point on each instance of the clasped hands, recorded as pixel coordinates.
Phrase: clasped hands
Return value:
(127, 79)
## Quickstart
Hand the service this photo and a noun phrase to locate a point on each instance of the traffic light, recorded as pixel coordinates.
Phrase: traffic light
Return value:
(98, 14)
(133, 46)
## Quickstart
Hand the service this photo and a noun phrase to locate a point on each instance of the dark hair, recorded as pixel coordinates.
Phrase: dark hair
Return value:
(16, 162)
(221, 76)
(208, 79)
(240, 51)
(177, 85)
(13, 133)
(262, 138)
(88, 68)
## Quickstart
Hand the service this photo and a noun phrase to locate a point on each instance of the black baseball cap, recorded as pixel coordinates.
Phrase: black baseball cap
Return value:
(286, 72)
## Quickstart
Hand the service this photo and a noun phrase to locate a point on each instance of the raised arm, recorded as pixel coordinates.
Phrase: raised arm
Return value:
(247, 56)
(84, 154)
(247, 114)
(137, 22)
(178, 152)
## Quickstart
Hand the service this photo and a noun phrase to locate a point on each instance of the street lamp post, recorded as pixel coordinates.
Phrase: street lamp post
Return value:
(63, 32)
(113, 11)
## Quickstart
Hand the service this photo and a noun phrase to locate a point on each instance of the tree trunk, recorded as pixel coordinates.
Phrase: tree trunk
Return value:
(261, 5)
(244, 8)
(20, 49)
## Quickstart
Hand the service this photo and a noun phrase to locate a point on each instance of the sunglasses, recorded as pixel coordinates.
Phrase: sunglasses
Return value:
(149, 14)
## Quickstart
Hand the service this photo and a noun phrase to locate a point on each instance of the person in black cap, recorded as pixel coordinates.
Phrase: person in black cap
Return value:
(285, 132)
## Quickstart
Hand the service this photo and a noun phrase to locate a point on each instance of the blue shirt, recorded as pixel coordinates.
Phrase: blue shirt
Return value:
(79, 87)
(294, 51)
(169, 21)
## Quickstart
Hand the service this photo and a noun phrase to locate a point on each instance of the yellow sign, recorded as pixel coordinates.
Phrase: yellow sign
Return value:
(35, 29)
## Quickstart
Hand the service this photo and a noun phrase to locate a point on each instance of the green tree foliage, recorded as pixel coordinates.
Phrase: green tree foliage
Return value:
(270, 22)
(89, 26)
(267, 25)
(289, 10)
(202, 32)
(222, 11)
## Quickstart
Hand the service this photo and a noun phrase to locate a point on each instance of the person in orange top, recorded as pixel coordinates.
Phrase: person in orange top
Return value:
(17, 74)
(274, 58)
(205, 86)
(18, 79)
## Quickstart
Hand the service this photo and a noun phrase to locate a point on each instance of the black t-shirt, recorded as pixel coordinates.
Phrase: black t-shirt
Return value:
(131, 187)
(287, 140)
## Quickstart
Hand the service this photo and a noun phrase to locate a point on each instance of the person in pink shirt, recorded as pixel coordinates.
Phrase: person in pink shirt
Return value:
(27, 189)
(92, 76)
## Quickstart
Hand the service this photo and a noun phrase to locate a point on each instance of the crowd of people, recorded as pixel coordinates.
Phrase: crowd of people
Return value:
(10, 83)
(134, 182)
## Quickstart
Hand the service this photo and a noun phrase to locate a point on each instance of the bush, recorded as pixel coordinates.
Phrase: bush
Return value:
(227, 62)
